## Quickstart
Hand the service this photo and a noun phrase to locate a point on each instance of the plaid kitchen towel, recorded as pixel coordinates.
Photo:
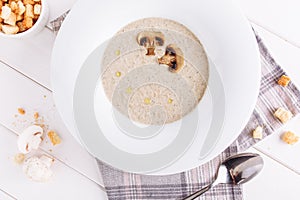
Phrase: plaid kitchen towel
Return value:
(122, 185)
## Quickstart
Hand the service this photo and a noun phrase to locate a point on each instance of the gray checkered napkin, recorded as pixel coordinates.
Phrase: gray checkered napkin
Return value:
(123, 185)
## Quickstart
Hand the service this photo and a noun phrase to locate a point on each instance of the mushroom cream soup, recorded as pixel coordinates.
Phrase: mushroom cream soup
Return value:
(154, 71)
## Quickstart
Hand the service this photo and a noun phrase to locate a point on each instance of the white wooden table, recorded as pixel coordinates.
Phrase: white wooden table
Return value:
(25, 82)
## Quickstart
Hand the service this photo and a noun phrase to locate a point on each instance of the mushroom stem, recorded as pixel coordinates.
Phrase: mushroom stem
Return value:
(150, 51)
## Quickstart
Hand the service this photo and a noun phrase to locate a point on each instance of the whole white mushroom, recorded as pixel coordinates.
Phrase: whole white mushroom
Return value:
(30, 139)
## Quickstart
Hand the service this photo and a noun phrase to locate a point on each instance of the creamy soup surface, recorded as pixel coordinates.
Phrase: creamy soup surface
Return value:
(154, 71)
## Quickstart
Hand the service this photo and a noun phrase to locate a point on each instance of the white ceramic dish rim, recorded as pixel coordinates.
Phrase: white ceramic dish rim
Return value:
(256, 67)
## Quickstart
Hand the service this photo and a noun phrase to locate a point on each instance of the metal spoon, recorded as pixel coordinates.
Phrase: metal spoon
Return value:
(237, 169)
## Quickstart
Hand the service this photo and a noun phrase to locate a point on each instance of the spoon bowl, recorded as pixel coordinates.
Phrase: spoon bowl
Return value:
(237, 169)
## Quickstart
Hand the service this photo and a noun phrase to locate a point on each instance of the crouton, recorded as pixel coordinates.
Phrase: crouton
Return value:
(11, 20)
(8, 29)
(37, 9)
(283, 115)
(290, 137)
(284, 81)
(5, 12)
(258, 133)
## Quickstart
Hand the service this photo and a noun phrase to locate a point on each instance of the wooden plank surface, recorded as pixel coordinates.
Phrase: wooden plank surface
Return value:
(25, 79)
(57, 7)
(287, 56)
(19, 91)
(30, 56)
(65, 183)
(280, 17)
(6, 196)
(275, 182)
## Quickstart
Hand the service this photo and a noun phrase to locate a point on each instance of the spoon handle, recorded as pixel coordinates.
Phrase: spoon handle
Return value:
(198, 193)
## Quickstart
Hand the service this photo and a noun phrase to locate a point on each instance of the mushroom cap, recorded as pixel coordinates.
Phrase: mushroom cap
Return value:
(30, 139)
(37, 169)
(178, 56)
(150, 38)
(173, 58)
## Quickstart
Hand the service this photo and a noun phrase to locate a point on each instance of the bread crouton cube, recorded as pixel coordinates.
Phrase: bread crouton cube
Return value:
(258, 133)
(54, 138)
(283, 115)
(21, 111)
(21, 27)
(37, 9)
(29, 11)
(290, 137)
(13, 5)
(5, 12)
(27, 22)
(11, 20)
(284, 80)
(8, 29)
(21, 8)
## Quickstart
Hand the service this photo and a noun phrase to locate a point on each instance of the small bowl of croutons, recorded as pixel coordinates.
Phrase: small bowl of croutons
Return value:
(22, 18)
